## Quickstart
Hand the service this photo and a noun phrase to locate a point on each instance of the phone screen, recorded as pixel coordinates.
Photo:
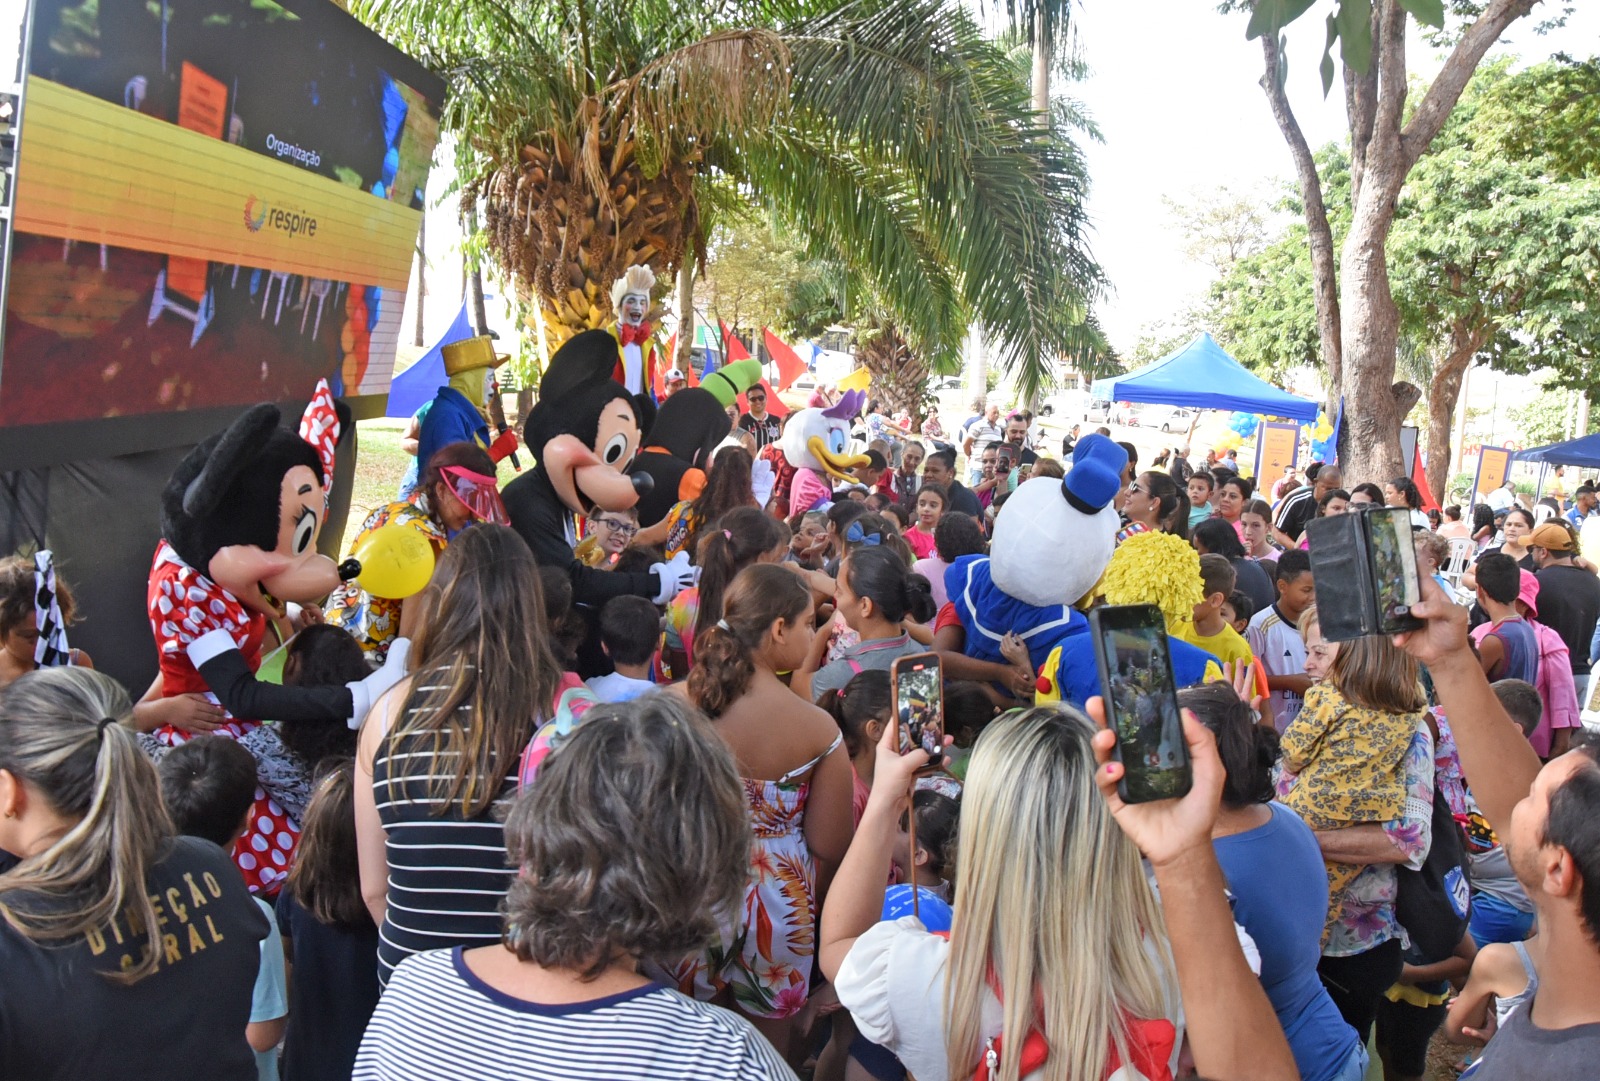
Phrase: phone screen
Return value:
(1141, 701)
(1394, 568)
(918, 684)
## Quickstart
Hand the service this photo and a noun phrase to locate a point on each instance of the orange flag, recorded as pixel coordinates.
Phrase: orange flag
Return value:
(790, 366)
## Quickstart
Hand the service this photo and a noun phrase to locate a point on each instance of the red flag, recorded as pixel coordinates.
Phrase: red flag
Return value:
(1421, 479)
(661, 374)
(790, 366)
(735, 349)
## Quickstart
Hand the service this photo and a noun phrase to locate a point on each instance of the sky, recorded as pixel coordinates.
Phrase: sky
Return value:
(1174, 90)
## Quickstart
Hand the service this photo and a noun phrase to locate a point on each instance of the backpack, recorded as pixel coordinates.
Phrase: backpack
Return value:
(1434, 903)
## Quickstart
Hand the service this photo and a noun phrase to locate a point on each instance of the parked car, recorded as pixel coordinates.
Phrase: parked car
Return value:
(1169, 418)
(1068, 403)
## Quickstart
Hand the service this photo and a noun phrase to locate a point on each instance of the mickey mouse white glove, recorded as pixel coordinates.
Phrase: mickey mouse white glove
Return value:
(365, 692)
(675, 575)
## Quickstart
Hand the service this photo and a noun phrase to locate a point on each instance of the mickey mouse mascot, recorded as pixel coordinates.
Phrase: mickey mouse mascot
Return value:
(585, 432)
(239, 524)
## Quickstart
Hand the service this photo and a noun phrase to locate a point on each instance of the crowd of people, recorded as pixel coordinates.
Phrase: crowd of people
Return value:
(685, 838)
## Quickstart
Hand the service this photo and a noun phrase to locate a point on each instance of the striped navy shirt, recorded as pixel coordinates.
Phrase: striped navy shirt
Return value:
(439, 1021)
(447, 873)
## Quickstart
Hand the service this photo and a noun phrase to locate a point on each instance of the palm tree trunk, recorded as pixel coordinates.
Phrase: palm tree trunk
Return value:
(1041, 73)
(685, 313)
(480, 318)
(422, 284)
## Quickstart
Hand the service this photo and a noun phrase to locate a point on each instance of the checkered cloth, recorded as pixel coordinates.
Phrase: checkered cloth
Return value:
(51, 650)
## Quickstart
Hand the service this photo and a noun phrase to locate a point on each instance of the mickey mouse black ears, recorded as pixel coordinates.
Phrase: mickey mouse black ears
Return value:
(235, 449)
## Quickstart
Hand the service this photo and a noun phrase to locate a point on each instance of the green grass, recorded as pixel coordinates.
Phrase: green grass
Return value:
(380, 463)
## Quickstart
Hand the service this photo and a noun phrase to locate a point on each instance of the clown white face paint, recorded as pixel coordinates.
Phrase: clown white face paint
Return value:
(635, 306)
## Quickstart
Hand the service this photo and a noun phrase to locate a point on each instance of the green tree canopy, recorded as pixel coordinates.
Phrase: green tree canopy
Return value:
(1494, 256)
(889, 136)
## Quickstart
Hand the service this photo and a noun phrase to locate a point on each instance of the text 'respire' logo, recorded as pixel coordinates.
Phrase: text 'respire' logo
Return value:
(259, 214)
(254, 218)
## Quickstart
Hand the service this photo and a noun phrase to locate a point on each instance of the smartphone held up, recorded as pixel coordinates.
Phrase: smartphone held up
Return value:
(1371, 556)
(916, 682)
(1141, 701)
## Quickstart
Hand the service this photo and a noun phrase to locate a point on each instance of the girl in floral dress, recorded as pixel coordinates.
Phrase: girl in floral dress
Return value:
(797, 781)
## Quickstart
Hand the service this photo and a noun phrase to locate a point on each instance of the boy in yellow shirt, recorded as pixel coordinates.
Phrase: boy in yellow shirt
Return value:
(1210, 630)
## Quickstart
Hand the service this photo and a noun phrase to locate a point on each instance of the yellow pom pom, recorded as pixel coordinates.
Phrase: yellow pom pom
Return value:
(1158, 569)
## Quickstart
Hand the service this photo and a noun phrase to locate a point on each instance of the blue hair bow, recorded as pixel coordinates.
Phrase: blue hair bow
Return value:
(856, 535)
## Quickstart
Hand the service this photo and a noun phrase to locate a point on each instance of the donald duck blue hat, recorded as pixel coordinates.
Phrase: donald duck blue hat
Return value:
(1096, 474)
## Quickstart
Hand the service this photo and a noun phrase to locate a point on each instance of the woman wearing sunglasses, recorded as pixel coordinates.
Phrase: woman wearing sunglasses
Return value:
(457, 490)
(606, 535)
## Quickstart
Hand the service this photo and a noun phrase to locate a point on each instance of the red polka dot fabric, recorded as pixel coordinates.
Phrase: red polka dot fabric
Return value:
(185, 605)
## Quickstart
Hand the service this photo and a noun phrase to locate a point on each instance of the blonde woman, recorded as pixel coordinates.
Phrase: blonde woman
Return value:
(1092, 977)
(1319, 651)
(110, 921)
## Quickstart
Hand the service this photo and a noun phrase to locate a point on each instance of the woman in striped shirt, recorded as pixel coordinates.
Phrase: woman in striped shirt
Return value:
(631, 845)
(438, 756)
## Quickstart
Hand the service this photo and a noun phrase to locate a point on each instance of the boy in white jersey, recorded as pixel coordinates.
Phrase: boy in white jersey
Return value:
(1276, 641)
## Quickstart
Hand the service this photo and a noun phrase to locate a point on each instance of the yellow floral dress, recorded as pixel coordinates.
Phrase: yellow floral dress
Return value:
(1350, 767)
(766, 960)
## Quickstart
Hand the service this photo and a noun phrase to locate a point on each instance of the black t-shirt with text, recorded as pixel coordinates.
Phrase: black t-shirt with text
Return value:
(1569, 601)
(764, 431)
(62, 1019)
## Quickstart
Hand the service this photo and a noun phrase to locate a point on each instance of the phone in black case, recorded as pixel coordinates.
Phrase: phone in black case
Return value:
(1141, 701)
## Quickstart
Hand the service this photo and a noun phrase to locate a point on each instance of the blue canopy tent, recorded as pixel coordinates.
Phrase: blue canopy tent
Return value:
(1202, 375)
(417, 385)
(1580, 452)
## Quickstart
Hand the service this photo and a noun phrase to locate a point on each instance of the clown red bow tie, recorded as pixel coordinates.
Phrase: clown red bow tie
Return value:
(631, 335)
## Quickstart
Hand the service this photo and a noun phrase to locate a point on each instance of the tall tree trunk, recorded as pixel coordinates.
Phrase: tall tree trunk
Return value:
(1324, 280)
(685, 313)
(1444, 393)
(1041, 73)
(480, 317)
(422, 283)
(1041, 105)
(1359, 330)
(1370, 329)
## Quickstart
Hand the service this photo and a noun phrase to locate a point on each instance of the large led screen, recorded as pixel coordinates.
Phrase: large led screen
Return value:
(217, 204)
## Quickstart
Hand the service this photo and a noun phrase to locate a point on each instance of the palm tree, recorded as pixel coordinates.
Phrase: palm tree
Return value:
(891, 137)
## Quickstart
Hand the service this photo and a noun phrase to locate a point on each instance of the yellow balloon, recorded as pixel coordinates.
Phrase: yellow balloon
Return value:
(396, 561)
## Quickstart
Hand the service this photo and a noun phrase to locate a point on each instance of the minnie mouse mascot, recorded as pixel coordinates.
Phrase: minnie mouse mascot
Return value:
(239, 524)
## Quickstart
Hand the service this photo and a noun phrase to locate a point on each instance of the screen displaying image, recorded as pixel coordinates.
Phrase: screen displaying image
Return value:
(918, 691)
(1144, 711)
(217, 204)
(1394, 564)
